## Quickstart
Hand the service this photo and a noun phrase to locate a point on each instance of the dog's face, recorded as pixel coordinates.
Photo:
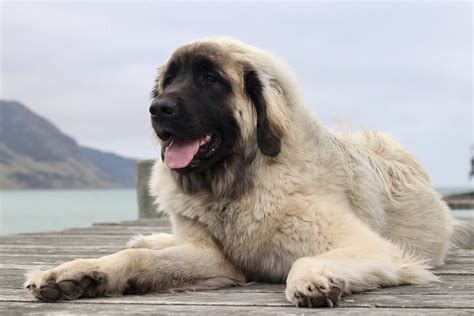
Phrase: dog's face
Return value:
(191, 111)
(206, 106)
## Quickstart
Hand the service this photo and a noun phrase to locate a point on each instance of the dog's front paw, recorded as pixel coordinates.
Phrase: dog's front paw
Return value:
(312, 286)
(69, 281)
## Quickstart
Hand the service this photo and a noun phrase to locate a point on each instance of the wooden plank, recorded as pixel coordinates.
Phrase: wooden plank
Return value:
(84, 236)
(26, 263)
(143, 222)
(89, 308)
(14, 258)
(226, 298)
(65, 240)
(97, 247)
(117, 231)
(450, 285)
(146, 204)
(70, 250)
(32, 252)
(21, 253)
(48, 263)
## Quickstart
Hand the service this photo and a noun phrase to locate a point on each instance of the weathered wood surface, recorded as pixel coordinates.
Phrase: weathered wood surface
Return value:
(146, 209)
(461, 200)
(21, 253)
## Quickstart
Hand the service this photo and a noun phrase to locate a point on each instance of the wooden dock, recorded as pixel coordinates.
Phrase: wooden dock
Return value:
(21, 253)
(462, 201)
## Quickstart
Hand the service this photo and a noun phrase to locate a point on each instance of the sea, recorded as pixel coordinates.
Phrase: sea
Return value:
(32, 211)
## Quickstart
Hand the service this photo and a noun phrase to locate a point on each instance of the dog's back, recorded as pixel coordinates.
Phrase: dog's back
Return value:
(407, 209)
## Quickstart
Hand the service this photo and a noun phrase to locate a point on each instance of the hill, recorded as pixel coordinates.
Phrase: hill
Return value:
(34, 154)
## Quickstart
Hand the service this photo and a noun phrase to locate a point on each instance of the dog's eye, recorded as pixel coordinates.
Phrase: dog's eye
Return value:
(167, 81)
(208, 79)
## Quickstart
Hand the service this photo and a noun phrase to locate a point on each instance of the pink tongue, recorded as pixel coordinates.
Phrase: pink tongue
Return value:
(180, 153)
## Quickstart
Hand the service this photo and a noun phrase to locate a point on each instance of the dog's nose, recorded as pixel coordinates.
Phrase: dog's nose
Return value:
(163, 108)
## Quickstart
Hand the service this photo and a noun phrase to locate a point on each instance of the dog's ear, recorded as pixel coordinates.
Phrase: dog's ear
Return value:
(267, 138)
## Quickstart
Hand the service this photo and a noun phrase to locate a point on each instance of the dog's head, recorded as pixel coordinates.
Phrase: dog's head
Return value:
(211, 106)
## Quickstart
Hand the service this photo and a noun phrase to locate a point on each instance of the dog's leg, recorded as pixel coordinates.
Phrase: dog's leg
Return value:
(191, 265)
(361, 264)
(153, 241)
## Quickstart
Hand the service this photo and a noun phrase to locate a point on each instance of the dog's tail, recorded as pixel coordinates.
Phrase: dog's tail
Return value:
(463, 234)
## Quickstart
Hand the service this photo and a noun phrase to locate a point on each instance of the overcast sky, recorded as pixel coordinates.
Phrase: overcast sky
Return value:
(401, 67)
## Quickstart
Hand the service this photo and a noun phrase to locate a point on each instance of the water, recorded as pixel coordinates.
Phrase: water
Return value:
(462, 213)
(52, 210)
(454, 190)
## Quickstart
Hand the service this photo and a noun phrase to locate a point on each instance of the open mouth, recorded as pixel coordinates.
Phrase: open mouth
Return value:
(182, 153)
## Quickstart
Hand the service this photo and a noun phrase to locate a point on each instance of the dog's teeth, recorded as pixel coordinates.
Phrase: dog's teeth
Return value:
(205, 140)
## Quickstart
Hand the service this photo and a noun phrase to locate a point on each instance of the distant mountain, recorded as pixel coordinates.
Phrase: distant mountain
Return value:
(119, 169)
(35, 154)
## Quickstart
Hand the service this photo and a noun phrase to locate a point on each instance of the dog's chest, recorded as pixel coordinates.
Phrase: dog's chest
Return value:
(262, 236)
(263, 247)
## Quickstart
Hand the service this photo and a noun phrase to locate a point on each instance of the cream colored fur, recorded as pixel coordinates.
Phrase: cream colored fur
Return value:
(332, 214)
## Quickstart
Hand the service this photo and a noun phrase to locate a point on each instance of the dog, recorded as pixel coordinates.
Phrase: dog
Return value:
(258, 190)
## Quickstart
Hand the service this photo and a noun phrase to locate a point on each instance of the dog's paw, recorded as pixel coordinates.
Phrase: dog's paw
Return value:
(69, 281)
(313, 287)
(317, 292)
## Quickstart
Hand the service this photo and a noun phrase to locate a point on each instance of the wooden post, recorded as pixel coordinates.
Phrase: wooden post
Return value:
(146, 208)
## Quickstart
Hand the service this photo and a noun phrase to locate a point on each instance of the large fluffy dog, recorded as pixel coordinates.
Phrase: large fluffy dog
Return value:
(258, 190)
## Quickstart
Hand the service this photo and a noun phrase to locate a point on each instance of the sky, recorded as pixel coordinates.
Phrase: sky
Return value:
(402, 67)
